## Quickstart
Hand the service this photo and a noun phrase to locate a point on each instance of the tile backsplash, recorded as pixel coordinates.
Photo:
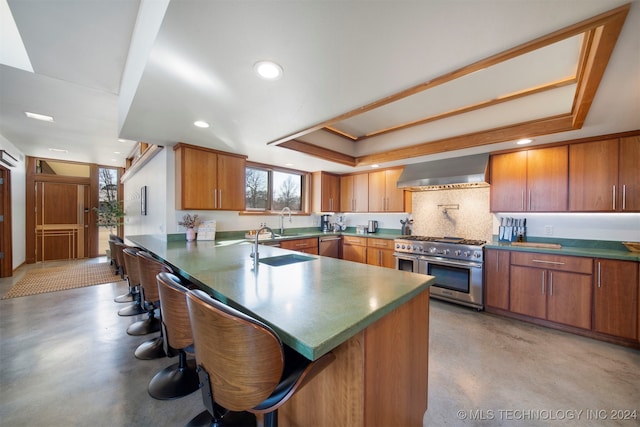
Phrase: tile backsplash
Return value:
(435, 213)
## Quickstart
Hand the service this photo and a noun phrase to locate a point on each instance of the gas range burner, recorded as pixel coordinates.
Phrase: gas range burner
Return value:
(445, 239)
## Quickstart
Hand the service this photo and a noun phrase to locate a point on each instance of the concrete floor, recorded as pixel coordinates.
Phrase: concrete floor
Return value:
(66, 360)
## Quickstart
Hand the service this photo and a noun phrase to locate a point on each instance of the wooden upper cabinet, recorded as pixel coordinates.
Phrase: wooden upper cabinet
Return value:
(326, 192)
(603, 175)
(384, 196)
(530, 181)
(629, 174)
(208, 180)
(508, 182)
(354, 193)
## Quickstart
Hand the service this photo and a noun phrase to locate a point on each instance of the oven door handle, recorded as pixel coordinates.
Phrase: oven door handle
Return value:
(443, 261)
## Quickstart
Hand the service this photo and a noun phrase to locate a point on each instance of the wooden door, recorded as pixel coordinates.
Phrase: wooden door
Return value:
(593, 175)
(394, 195)
(377, 182)
(231, 183)
(497, 278)
(196, 172)
(528, 291)
(629, 177)
(6, 247)
(616, 298)
(547, 179)
(569, 298)
(508, 182)
(62, 215)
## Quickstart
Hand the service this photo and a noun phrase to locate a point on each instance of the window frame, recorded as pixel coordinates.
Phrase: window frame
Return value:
(305, 194)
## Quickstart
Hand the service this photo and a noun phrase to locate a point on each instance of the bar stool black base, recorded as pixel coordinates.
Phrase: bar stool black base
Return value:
(175, 381)
(144, 327)
(151, 349)
(125, 298)
(231, 419)
(132, 310)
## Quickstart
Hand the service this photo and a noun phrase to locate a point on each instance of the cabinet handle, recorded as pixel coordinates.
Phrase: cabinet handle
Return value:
(220, 197)
(497, 263)
(550, 284)
(529, 199)
(599, 274)
(614, 197)
(547, 262)
(543, 283)
(522, 199)
(624, 197)
(215, 198)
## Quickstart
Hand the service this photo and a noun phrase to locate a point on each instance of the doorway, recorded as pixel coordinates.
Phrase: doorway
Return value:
(62, 221)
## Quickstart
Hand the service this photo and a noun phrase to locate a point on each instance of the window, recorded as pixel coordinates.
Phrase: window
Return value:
(271, 189)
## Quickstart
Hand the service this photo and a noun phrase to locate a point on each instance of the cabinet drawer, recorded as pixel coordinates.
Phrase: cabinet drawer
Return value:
(379, 243)
(299, 244)
(355, 241)
(553, 262)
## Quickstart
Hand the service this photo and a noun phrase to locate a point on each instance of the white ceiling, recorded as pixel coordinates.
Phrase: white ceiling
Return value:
(145, 71)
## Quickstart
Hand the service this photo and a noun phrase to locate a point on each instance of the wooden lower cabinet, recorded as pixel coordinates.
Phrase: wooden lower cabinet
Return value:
(380, 252)
(354, 249)
(307, 246)
(616, 298)
(551, 293)
(496, 282)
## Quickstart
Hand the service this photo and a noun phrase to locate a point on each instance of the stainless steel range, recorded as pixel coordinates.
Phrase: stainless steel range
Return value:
(456, 263)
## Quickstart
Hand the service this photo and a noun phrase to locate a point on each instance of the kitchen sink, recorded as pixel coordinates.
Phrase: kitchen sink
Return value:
(277, 261)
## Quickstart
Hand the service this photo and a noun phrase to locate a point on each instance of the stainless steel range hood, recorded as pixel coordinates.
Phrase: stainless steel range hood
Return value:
(460, 172)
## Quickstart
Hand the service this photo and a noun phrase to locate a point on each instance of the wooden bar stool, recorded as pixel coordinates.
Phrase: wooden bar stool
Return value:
(179, 379)
(243, 364)
(149, 268)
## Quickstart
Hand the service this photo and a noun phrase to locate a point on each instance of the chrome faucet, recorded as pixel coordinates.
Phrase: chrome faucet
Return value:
(255, 254)
(286, 208)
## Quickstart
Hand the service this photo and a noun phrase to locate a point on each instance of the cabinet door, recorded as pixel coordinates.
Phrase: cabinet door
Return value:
(497, 279)
(394, 195)
(616, 298)
(508, 182)
(354, 253)
(528, 291)
(377, 197)
(196, 172)
(380, 257)
(547, 179)
(347, 197)
(569, 298)
(361, 192)
(231, 183)
(628, 176)
(593, 175)
(330, 193)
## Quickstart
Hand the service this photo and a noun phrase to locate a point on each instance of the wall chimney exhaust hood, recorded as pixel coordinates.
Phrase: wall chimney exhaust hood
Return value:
(460, 172)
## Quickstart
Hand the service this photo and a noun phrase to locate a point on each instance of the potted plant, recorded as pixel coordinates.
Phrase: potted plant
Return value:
(110, 215)
(190, 223)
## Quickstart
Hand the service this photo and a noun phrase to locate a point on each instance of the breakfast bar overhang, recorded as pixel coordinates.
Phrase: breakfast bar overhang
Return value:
(374, 319)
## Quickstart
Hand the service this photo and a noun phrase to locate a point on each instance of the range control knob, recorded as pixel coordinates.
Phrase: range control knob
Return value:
(458, 252)
(477, 254)
(467, 253)
(432, 250)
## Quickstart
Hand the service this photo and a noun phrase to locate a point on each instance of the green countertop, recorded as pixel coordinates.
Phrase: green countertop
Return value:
(314, 305)
(583, 248)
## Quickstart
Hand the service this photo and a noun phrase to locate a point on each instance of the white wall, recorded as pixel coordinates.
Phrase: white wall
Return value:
(18, 209)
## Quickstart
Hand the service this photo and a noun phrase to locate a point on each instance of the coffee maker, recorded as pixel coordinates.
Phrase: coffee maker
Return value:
(324, 223)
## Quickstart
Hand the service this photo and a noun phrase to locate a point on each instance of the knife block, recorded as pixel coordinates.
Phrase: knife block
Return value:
(512, 234)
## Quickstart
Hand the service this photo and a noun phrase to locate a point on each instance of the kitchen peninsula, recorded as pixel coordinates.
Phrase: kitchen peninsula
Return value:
(374, 319)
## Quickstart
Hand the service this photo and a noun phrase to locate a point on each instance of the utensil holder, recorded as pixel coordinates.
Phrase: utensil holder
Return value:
(512, 234)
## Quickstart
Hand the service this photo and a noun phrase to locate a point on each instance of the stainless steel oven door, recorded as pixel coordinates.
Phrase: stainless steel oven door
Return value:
(408, 262)
(456, 281)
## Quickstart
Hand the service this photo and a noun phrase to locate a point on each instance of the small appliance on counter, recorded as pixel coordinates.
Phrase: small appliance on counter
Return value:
(325, 223)
(372, 226)
(406, 226)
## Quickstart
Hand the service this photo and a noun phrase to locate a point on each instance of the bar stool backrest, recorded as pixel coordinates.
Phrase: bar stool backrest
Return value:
(175, 315)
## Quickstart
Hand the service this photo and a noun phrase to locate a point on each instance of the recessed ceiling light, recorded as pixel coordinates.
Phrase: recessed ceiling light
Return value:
(39, 116)
(375, 166)
(524, 141)
(58, 150)
(268, 70)
(288, 164)
(116, 152)
(201, 124)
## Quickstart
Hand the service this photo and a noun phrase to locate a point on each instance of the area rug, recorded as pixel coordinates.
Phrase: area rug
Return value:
(43, 280)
